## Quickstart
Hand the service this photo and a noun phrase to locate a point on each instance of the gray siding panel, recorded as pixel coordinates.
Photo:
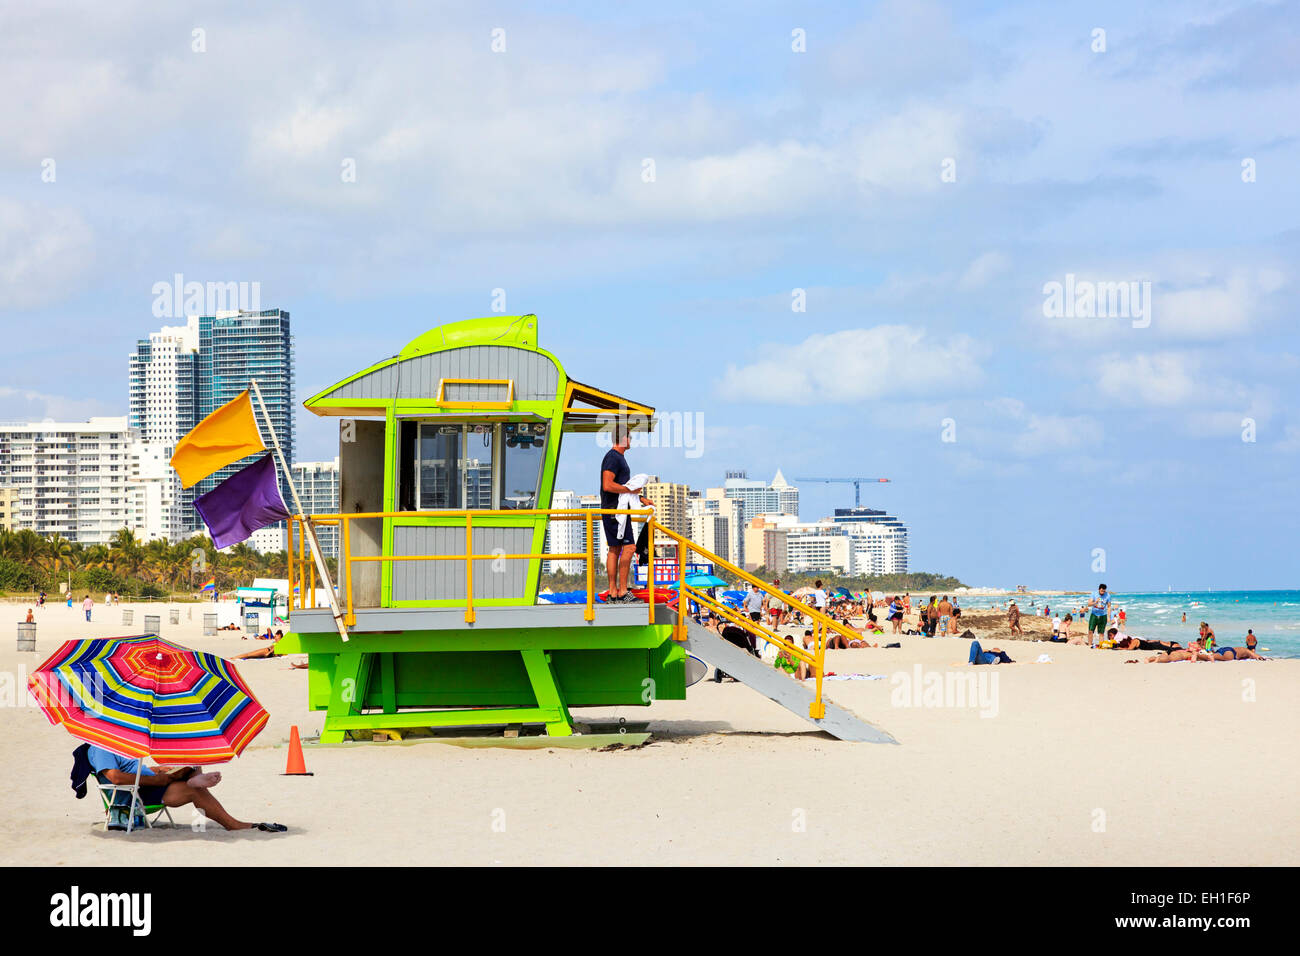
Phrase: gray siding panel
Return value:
(442, 580)
(536, 376)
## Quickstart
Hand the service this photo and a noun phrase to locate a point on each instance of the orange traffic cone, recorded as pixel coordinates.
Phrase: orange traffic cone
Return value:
(296, 766)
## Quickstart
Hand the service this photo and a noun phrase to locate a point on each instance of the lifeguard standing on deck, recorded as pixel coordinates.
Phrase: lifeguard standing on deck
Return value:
(614, 473)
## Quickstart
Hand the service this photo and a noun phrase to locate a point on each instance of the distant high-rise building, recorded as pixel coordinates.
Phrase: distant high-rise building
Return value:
(880, 539)
(181, 374)
(670, 504)
(778, 498)
(732, 510)
(600, 547)
(565, 537)
(8, 502)
(318, 488)
(70, 478)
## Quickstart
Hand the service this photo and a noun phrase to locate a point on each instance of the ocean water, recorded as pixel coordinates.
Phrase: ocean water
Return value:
(1274, 616)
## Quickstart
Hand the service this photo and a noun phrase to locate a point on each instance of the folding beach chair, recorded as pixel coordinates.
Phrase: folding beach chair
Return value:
(108, 792)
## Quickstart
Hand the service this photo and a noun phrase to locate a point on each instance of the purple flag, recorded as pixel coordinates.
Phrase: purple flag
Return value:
(247, 500)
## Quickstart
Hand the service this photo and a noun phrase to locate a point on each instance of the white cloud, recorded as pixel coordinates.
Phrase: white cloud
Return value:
(45, 252)
(1042, 434)
(1164, 379)
(20, 404)
(855, 365)
(983, 269)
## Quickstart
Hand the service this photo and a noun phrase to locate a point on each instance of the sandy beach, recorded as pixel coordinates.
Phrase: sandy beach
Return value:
(1084, 760)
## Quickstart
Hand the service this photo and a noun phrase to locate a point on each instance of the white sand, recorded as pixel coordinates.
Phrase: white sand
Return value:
(1087, 761)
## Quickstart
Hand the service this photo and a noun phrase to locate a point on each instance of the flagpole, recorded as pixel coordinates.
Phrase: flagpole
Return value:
(306, 525)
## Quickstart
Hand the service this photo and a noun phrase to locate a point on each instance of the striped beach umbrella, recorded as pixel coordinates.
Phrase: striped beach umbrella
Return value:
(147, 697)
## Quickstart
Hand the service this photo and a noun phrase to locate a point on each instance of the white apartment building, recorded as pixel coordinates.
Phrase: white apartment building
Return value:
(157, 488)
(880, 539)
(565, 537)
(716, 502)
(318, 488)
(818, 548)
(780, 497)
(71, 478)
(272, 539)
(598, 529)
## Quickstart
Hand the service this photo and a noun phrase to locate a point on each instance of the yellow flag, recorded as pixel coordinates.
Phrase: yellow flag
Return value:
(227, 435)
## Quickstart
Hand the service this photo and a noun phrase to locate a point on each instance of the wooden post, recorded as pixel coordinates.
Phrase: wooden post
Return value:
(308, 530)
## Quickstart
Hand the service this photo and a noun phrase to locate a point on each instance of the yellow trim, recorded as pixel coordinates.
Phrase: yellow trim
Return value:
(601, 401)
(509, 383)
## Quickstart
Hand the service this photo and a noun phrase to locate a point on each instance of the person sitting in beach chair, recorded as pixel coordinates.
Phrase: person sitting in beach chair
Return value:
(174, 788)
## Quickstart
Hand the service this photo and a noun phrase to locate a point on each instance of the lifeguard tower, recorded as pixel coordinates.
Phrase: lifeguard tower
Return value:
(447, 457)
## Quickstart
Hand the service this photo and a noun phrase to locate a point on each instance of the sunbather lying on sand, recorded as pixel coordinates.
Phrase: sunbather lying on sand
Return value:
(835, 639)
(266, 651)
(1138, 644)
(1237, 654)
(1193, 653)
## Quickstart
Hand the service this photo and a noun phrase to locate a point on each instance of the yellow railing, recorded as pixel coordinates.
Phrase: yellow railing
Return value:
(302, 574)
(822, 622)
(302, 570)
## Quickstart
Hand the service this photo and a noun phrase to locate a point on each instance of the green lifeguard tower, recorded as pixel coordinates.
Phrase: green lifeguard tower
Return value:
(447, 458)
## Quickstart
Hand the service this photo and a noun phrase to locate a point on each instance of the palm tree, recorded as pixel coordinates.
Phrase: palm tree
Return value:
(127, 554)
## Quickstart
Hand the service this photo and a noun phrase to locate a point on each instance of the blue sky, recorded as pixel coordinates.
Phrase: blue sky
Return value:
(775, 170)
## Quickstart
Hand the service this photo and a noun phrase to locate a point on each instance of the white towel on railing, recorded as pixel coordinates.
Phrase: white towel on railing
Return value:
(630, 501)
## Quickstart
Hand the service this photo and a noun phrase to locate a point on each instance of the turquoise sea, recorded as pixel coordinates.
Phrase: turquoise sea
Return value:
(1274, 616)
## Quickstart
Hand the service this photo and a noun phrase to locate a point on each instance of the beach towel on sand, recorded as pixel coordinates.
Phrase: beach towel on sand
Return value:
(854, 677)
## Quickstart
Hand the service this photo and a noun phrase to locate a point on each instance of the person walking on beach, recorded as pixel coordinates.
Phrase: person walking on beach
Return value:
(87, 605)
(1098, 611)
(775, 606)
(819, 597)
(754, 603)
(614, 473)
(1013, 619)
(944, 607)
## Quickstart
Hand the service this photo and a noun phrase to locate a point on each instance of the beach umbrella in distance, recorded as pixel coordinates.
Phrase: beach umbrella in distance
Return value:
(844, 591)
(697, 580)
(147, 697)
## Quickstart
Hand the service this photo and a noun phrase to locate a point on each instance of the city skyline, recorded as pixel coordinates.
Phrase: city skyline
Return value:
(1043, 282)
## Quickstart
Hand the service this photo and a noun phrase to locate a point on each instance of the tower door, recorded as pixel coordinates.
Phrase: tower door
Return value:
(361, 489)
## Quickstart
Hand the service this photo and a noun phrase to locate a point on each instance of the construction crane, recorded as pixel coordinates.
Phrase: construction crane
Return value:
(856, 482)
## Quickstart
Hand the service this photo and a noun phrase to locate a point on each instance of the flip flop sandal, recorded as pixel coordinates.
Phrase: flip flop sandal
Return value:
(271, 827)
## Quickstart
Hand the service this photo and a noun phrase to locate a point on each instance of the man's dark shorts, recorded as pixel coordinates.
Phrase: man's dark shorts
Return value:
(610, 524)
(1097, 622)
(152, 796)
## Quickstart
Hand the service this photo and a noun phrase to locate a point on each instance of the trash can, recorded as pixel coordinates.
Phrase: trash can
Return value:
(209, 624)
(128, 617)
(174, 615)
(153, 624)
(26, 636)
